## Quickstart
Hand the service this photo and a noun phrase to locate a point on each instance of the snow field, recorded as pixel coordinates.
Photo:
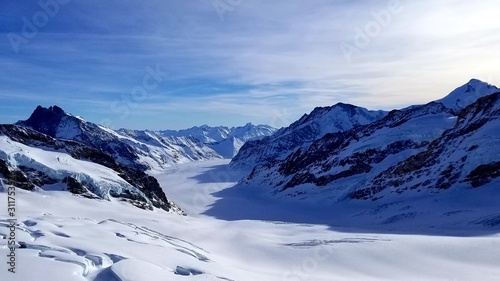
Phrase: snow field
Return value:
(65, 237)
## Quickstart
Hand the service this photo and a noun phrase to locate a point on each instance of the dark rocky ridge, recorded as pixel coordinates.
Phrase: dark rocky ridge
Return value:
(301, 133)
(25, 178)
(324, 154)
(49, 120)
(361, 163)
(432, 168)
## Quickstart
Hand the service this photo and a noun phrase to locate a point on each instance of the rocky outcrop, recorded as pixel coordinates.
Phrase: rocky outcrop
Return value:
(145, 191)
(311, 127)
(427, 147)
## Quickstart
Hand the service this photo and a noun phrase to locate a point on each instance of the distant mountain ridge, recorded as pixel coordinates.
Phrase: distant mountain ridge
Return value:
(226, 141)
(144, 150)
(467, 94)
(425, 147)
(310, 127)
(53, 149)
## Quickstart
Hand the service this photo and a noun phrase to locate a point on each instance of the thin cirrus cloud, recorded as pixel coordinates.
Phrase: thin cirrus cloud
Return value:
(259, 61)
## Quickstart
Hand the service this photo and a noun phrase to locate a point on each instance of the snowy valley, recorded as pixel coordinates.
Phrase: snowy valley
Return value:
(343, 193)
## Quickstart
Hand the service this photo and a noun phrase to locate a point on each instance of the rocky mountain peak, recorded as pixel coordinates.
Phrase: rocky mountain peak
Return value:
(45, 119)
(467, 94)
(340, 117)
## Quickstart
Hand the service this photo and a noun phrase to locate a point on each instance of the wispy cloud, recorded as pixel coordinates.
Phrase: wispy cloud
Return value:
(262, 57)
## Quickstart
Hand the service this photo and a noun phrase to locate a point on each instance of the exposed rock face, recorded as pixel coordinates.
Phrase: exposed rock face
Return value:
(428, 147)
(321, 121)
(346, 159)
(144, 149)
(469, 153)
(138, 188)
(15, 177)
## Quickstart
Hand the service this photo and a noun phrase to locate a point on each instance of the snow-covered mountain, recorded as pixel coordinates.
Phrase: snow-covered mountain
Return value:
(429, 172)
(468, 155)
(213, 135)
(139, 149)
(224, 140)
(32, 160)
(467, 94)
(420, 147)
(310, 127)
(144, 149)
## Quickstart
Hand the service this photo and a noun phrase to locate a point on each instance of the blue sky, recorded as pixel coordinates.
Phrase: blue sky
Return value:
(173, 64)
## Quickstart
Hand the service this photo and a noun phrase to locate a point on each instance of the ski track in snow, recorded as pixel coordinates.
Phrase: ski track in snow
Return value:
(64, 237)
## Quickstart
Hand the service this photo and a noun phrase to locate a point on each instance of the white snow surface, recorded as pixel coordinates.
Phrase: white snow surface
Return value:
(58, 165)
(301, 133)
(467, 94)
(145, 149)
(241, 234)
(224, 140)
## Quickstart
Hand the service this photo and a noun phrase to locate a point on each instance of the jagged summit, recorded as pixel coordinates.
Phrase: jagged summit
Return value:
(339, 117)
(224, 140)
(321, 121)
(31, 160)
(44, 119)
(141, 151)
(467, 94)
(451, 143)
(146, 149)
(43, 113)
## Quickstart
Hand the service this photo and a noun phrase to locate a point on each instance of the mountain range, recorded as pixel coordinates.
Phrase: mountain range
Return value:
(301, 133)
(31, 160)
(448, 143)
(336, 153)
(55, 150)
(144, 149)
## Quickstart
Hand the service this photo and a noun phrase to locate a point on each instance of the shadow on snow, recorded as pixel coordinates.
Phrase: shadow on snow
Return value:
(399, 217)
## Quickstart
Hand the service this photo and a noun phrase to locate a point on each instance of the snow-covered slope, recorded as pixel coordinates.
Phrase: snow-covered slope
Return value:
(342, 161)
(466, 156)
(144, 149)
(158, 152)
(31, 160)
(224, 140)
(242, 237)
(467, 94)
(322, 120)
(420, 147)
